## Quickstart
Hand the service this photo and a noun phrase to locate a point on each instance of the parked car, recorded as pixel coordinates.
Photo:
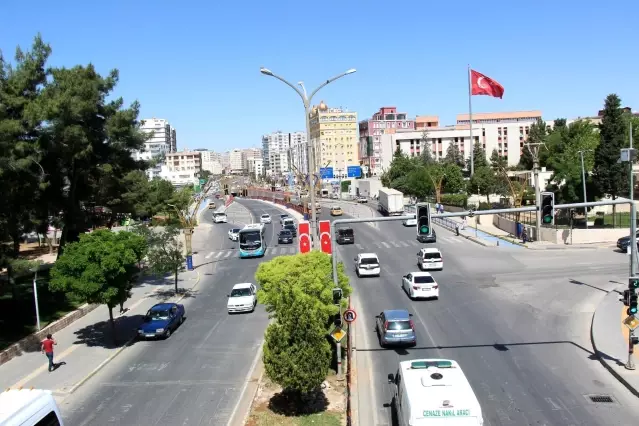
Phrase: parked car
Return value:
(161, 320)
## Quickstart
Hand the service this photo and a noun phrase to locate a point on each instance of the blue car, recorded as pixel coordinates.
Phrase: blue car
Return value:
(161, 320)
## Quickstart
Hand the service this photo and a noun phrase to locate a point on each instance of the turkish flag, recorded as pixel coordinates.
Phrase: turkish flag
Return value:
(482, 85)
(325, 236)
(304, 236)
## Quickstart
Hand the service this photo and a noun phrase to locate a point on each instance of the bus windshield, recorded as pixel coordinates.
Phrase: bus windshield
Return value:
(250, 240)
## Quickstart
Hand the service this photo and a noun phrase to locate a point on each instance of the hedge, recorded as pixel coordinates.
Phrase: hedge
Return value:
(457, 200)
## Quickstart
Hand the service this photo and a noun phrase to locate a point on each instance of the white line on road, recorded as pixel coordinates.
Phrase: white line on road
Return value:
(228, 254)
(208, 256)
(219, 253)
(386, 245)
(245, 385)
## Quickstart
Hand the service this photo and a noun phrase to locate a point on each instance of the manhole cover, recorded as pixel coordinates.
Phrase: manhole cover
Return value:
(601, 399)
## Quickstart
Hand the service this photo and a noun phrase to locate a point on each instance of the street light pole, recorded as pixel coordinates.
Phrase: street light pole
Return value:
(583, 178)
(309, 149)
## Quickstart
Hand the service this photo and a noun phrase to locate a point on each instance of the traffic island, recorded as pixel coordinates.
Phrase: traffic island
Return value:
(325, 407)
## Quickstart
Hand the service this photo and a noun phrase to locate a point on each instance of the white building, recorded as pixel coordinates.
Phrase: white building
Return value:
(255, 168)
(506, 132)
(211, 161)
(282, 151)
(182, 168)
(248, 155)
(235, 161)
(225, 159)
(162, 141)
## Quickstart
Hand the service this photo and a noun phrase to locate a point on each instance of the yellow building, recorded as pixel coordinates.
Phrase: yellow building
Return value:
(334, 136)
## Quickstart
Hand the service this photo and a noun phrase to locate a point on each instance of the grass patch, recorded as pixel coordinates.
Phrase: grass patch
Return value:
(17, 307)
(268, 418)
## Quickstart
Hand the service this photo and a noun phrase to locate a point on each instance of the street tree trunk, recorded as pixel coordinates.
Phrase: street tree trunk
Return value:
(176, 280)
(112, 321)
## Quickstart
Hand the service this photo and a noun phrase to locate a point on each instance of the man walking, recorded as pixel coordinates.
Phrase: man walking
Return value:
(47, 349)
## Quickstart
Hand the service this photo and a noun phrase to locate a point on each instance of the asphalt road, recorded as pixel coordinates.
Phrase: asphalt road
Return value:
(517, 321)
(198, 375)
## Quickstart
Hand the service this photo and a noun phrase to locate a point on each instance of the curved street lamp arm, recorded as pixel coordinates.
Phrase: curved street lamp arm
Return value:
(329, 81)
(283, 80)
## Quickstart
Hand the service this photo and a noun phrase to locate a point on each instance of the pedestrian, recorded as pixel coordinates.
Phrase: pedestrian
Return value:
(437, 208)
(47, 349)
(463, 225)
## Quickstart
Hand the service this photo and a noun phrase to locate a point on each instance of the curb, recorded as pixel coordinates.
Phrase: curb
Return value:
(259, 367)
(119, 351)
(475, 240)
(598, 353)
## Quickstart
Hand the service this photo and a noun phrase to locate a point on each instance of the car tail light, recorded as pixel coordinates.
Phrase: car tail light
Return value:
(412, 325)
(415, 287)
(435, 287)
(385, 325)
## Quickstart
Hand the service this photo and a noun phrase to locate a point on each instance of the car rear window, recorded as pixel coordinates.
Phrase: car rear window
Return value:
(398, 325)
(285, 233)
(432, 256)
(369, 261)
(346, 232)
(265, 215)
(424, 280)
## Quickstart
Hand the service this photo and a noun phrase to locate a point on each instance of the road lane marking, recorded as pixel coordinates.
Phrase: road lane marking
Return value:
(386, 245)
(228, 253)
(395, 244)
(208, 256)
(219, 253)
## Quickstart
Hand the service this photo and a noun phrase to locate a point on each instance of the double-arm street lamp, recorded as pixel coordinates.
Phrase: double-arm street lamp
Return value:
(307, 110)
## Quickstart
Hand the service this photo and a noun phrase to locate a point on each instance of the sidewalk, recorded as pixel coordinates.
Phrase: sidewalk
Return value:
(477, 234)
(610, 341)
(86, 345)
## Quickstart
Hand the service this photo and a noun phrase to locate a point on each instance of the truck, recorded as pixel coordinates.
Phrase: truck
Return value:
(369, 188)
(391, 202)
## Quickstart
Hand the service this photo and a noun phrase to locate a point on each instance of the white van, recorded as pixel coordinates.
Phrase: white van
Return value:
(430, 258)
(434, 392)
(29, 407)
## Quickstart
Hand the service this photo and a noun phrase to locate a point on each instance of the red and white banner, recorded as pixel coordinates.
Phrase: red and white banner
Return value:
(304, 236)
(325, 236)
(228, 201)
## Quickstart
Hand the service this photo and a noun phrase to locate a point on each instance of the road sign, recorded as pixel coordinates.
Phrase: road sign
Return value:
(338, 334)
(326, 172)
(631, 322)
(202, 182)
(354, 171)
(189, 262)
(325, 236)
(304, 238)
(350, 315)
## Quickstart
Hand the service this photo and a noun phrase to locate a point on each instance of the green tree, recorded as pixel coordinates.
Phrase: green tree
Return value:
(453, 178)
(537, 134)
(400, 168)
(417, 183)
(454, 155)
(311, 273)
(609, 176)
(99, 268)
(479, 157)
(498, 162)
(166, 253)
(483, 181)
(205, 174)
(297, 354)
(427, 155)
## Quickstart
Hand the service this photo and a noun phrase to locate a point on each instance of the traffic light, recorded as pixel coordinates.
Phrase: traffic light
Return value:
(626, 297)
(423, 219)
(633, 283)
(632, 306)
(337, 320)
(548, 208)
(337, 296)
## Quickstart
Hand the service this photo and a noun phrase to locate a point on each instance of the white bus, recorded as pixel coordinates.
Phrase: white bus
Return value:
(251, 240)
(434, 392)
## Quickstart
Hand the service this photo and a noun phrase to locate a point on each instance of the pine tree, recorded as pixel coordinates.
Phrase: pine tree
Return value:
(454, 155)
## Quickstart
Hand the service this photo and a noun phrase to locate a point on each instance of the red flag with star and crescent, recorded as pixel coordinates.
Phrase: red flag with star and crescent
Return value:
(482, 85)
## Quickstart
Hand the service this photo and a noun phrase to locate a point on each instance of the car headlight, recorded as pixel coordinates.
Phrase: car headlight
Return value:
(140, 331)
(159, 330)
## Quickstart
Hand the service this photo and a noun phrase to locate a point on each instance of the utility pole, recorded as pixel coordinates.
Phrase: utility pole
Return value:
(534, 152)
(583, 179)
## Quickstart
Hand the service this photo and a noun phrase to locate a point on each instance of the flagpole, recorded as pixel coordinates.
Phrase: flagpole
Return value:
(470, 118)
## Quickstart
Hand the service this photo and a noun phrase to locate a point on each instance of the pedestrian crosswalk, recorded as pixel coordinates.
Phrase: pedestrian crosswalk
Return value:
(409, 243)
(270, 251)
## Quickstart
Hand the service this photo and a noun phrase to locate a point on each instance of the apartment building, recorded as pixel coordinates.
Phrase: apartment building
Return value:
(162, 141)
(255, 168)
(182, 168)
(236, 162)
(248, 155)
(385, 121)
(504, 131)
(334, 138)
(283, 151)
(210, 161)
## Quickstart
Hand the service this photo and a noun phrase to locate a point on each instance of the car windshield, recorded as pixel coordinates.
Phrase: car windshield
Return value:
(423, 280)
(285, 233)
(283, 216)
(250, 239)
(398, 325)
(158, 314)
(346, 232)
(220, 214)
(235, 230)
(289, 226)
(240, 292)
(369, 261)
(432, 256)
(265, 216)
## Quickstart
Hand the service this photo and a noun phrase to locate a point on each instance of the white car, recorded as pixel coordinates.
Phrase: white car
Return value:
(420, 285)
(430, 258)
(220, 218)
(265, 218)
(284, 217)
(234, 234)
(367, 265)
(243, 298)
(410, 222)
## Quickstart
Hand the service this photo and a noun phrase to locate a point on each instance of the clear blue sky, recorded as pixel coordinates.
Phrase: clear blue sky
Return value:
(197, 64)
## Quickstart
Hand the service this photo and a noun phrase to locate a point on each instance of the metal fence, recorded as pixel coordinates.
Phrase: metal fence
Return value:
(562, 220)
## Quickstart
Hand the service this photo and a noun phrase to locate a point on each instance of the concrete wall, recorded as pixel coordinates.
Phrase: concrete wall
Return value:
(563, 236)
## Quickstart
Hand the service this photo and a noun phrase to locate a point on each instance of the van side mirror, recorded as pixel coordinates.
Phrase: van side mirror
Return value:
(228, 295)
(355, 259)
(391, 378)
(410, 315)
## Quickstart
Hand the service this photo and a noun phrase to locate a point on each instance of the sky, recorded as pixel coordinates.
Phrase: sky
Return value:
(196, 63)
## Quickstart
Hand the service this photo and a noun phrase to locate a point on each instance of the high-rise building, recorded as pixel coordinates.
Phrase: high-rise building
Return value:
(161, 142)
(225, 159)
(255, 169)
(235, 160)
(248, 155)
(334, 137)
(210, 161)
(385, 121)
(182, 168)
(280, 152)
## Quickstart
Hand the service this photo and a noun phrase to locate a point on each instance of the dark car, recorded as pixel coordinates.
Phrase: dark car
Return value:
(292, 228)
(285, 237)
(395, 327)
(161, 320)
(345, 236)
(624, 242)
(432, 238)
